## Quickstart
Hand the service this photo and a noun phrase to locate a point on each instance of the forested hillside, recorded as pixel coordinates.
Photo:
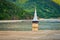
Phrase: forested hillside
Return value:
(45, 8)
(24, 9)
(9, 10)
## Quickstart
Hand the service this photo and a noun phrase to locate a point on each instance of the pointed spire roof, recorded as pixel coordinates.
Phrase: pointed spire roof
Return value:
(35, 16)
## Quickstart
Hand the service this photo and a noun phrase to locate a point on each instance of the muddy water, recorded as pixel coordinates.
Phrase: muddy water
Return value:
(26, 26)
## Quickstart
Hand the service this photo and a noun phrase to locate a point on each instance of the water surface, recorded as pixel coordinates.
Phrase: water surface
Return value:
(27, 26)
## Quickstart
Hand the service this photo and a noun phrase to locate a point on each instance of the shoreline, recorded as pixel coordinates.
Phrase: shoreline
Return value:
(49, 20)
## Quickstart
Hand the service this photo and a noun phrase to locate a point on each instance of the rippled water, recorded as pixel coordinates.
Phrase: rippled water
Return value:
(27, 26)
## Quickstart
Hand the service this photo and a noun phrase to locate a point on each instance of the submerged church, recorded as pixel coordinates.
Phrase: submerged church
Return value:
(35, 22)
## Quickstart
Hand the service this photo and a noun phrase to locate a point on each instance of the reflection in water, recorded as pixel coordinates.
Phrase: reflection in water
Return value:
(26, 26)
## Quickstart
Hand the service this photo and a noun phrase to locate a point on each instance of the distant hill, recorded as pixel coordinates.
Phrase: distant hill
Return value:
(24, 9)
(9, 11)
(45, 8)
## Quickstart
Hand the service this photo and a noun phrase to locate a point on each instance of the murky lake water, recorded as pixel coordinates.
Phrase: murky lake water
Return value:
(27, 26)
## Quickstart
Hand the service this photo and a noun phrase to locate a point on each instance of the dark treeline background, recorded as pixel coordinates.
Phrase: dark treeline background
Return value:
(24, 9)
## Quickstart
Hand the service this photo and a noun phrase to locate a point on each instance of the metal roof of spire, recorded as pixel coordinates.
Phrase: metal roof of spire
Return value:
(35, 16)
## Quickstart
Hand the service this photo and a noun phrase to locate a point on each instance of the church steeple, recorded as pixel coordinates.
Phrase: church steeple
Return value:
(35, 16)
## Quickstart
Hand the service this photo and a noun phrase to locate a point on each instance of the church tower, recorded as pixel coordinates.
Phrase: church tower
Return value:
(35, 22)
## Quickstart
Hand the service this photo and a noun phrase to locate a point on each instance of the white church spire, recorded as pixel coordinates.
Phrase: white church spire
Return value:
(35, 16)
